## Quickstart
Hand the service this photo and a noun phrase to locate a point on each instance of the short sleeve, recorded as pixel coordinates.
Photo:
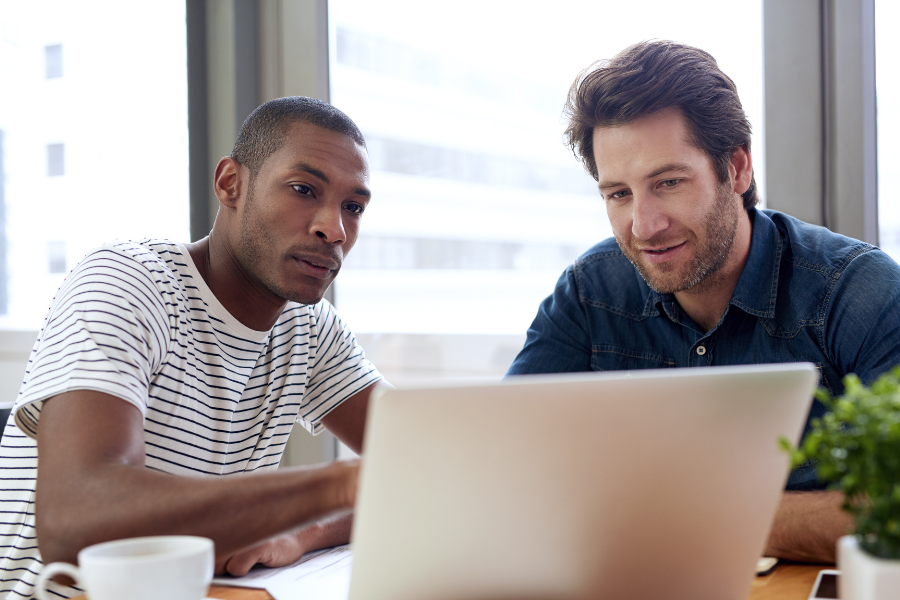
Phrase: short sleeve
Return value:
(106, 331)
(558, 340)
(339, 368)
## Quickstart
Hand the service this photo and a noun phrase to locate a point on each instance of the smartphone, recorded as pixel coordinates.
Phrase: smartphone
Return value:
(765, 565)
(826, 585)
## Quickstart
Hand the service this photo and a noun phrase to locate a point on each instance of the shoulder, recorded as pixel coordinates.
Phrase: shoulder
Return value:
(149, 256)
(820, 257)
(818, 248)
(140, 273)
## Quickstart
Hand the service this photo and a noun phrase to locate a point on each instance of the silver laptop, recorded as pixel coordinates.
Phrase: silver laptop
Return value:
(638, 485)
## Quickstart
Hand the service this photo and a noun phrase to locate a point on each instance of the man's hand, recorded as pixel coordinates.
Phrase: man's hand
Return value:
(276, 552)
(807, 526)
(287, 548)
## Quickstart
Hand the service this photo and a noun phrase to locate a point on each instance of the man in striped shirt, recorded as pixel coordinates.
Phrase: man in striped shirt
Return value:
(163, 367)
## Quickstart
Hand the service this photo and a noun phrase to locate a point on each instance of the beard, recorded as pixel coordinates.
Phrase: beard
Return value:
(719, 227)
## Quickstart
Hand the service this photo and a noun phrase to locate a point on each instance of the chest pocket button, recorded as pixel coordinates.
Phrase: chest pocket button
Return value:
(701, 350)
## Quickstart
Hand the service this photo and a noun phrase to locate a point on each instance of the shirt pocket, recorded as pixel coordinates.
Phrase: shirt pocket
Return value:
(616, 358)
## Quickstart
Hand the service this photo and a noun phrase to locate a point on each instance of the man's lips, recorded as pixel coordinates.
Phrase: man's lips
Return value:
(659, 253)
(660, 249)
(317, 266)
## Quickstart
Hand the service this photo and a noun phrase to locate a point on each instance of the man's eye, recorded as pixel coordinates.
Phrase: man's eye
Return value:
(618, 195)
(670, 182)
(302, 189)
(356, 209)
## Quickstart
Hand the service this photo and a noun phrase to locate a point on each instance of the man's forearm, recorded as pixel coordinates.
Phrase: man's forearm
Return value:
(807, 526)
(328, 532)
(235, 512)
(288, 548)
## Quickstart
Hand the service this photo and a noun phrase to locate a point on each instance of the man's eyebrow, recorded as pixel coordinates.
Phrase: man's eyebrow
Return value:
(603, 185)
(311, 170)
(320, 175)
(670, 167)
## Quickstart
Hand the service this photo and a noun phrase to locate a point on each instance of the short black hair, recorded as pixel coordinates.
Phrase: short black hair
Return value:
(648, 77)
(264, 131)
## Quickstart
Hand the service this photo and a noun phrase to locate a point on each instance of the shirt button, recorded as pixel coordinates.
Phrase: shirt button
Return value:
(701, 350)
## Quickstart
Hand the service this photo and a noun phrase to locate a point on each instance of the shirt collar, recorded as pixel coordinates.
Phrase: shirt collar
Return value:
(756, 288)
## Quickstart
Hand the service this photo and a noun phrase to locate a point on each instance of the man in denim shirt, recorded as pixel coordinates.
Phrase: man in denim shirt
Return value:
(696, 275)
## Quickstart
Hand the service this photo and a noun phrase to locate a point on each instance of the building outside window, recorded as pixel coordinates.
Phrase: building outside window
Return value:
(56, 160)
(93, 110)
(887, 49)
(54, 60)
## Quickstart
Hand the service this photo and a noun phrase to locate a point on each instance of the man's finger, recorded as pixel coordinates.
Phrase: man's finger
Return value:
(219, 569)
(241, 563)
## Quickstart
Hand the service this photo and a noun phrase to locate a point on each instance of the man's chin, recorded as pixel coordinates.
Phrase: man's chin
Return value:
(662, 287)
(307, 298)
(302, 295)
(662, 281)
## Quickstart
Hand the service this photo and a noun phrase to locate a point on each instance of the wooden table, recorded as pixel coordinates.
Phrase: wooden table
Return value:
(787, 582)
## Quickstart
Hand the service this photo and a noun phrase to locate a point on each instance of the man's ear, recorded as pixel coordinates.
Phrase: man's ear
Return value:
(228, 182)
(741, 169)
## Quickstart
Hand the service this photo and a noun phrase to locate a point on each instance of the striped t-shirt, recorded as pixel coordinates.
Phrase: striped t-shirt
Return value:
(137, 321)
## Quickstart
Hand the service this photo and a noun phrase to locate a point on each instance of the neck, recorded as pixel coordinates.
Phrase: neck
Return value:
(706, 302)
(245, 298)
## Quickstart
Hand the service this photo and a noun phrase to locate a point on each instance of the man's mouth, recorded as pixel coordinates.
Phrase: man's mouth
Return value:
(320, 264)
(317, 266)
(657, 254)
(661, 250)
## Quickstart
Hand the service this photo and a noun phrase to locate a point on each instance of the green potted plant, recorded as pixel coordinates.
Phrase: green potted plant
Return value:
(856, 446)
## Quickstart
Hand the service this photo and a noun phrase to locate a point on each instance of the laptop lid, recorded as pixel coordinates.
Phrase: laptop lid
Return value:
(642, 484)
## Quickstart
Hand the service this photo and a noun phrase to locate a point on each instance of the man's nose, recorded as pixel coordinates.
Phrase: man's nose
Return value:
(328, 225)
(648, 216)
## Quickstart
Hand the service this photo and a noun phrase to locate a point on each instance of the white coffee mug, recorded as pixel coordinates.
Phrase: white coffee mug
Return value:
(174, 567)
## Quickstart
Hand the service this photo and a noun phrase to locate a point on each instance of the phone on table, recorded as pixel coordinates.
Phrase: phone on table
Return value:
(825, 586)
(765, 565)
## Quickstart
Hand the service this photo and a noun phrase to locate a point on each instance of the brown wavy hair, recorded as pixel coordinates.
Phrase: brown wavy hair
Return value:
(651, 76)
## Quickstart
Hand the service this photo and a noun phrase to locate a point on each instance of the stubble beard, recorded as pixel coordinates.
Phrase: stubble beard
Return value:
(703, 271)
(253, 240)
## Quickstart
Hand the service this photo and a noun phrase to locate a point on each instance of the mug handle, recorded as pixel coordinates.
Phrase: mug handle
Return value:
(52, 570)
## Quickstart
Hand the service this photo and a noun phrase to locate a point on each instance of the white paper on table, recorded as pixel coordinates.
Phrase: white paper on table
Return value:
(323, 575)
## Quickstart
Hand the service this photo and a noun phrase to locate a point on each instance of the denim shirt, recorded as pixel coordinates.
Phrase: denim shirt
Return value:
(805, 294)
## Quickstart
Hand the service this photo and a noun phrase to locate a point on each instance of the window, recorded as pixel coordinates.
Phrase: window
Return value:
(478, 206)
(97, 154)
(53, 61)
(3, 267)
(56, 160)
(887, 48)
(56, 252)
